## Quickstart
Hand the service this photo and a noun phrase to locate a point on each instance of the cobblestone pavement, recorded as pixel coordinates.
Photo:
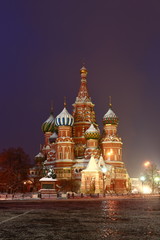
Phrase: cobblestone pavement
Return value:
(112, 219)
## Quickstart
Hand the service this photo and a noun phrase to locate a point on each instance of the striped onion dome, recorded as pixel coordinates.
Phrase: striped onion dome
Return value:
(92, 133)
(48, 125)
(110, 117)
(64, 118)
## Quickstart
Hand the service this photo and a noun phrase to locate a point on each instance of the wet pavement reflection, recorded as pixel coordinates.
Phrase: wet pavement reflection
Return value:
(113, 219)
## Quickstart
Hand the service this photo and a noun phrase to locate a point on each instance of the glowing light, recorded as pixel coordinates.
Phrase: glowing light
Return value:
(146, 164)
(104, 169)
(157, 179)
(110, 153)
(147, 190)
(135, 190)
(142, 178)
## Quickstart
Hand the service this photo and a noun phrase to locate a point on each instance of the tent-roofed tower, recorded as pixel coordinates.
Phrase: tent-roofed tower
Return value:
(83, 114)
(92, 178)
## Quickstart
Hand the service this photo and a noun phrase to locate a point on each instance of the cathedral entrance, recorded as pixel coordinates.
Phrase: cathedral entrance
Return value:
(92, 185)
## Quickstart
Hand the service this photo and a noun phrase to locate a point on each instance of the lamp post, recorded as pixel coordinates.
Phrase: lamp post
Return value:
(151, 172)
(142, 178)
(104, 170)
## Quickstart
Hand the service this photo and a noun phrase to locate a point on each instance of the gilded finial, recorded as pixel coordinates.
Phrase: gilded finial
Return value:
(83, 71)
(65, 103)
(110, 102)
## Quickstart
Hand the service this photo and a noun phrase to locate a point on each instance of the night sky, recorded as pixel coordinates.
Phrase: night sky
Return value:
(42, 47)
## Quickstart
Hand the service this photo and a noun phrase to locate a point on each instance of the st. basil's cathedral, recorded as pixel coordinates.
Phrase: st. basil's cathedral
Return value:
(76, 151)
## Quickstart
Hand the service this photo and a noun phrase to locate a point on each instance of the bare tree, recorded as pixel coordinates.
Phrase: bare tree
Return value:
(14, 165)
(151, 174)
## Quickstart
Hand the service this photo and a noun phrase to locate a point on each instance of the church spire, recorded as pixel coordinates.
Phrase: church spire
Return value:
(83, 95)
(83, 72)
(83, 114)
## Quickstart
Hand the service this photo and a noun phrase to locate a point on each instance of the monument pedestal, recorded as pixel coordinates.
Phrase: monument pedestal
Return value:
(48, 188)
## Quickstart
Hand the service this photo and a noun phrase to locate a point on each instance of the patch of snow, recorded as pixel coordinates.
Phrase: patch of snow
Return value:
(110, 114)
(92, 166)
(45, 179)
(91, 129)
(39, 155)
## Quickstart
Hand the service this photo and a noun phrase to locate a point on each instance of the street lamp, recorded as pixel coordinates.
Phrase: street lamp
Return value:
(147, 164)
(156, 179)
(104, 170)
(142, 178)
(151, 172)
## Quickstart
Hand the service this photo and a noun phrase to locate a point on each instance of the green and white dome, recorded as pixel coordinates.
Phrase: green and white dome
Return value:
(48, 125)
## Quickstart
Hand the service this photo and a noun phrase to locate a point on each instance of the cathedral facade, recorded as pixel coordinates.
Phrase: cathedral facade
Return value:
(75, 149)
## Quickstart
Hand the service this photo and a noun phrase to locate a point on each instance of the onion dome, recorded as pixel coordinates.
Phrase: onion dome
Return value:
(53, 137)
(92, 133)
(64, 118)
(48, 125)
(110, 117)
